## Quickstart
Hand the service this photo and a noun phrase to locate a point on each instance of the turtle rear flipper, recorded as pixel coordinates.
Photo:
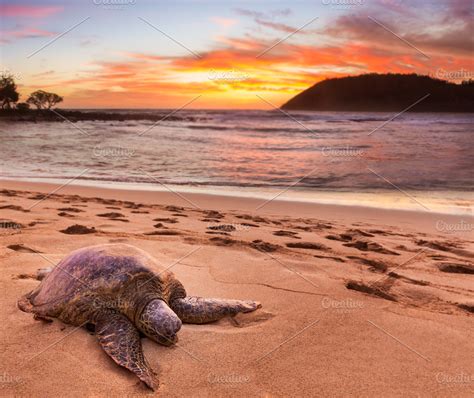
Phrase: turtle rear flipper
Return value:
(121, 341)
(24, 304)
(200, 310)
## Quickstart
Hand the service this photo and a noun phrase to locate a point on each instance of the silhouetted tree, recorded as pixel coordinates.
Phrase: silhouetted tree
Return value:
(8, 92)
(44, 100)
(23, 106)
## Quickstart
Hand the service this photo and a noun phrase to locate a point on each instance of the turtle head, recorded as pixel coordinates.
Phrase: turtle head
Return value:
(159, 322)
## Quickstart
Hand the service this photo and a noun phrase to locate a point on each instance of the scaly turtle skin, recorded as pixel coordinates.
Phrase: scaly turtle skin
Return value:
(121, 291)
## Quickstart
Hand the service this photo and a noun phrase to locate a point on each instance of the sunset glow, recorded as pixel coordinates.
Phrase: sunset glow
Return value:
(145, 54)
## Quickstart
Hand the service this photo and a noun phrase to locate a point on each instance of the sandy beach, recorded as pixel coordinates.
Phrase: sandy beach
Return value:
(355, 301)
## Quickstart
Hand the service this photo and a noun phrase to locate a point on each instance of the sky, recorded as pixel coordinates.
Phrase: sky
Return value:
(224, 54)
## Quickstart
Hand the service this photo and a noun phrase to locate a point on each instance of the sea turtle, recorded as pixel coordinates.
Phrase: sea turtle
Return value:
(122, 292)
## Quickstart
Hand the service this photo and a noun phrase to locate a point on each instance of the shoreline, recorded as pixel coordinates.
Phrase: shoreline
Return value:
(72, 116)
(439, 202)
(428, 221)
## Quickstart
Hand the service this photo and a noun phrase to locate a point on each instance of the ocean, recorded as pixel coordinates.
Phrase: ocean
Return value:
(417, 161)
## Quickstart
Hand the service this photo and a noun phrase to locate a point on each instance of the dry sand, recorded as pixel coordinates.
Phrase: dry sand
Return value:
(356, 301)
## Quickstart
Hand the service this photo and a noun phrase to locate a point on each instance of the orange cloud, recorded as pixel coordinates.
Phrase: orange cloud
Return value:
(224, 22)
(231, 75)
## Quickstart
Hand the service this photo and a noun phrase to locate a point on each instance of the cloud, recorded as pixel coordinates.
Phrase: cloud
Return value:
(268, 20)
(266, 15)
(445, 31)
(232, 68)
(14, 10)
(24, 33)
(276, 26)
(45, 73)
(396, 6)
(230, 74)
(224, 22)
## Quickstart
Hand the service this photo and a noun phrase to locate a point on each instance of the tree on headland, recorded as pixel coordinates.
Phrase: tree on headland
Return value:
(8, 92)
(44, 100)
(22, 107)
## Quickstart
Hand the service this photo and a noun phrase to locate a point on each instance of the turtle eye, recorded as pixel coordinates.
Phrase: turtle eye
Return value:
(170, 326)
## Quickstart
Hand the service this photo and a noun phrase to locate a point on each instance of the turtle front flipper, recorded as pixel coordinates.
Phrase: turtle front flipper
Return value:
(193, 309)
(121, 341)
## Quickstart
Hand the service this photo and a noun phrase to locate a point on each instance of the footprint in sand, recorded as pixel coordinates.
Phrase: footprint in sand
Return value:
(467, 307)
(349, 235)
(371, 290)
(163, 232)
(77, 229)
(6, 192)
(24, 276)
(160, 225)
(38, 196)
(118, 240)
(373, 264)
(257, 219)
(107, 201)
(263, 246)
(218, 241)
(379, 232)
(22, 249)
(114, 216)
(131, 205)
(249, 224)
(174, 209)
(407, 279)
(217, 233)
(338, 259)
(111, 215)
(64, 214)
(213, 214)
(456, 268)
(71, 210)
(407, 249)
(307, 245)
(222, 227)
(354, 232)
(289, 234)
(365, 246)
(438, 257)
(37, 222)
(445, 246)
(166, 220)
(14, 207)
(340, 238)
(302, 228)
